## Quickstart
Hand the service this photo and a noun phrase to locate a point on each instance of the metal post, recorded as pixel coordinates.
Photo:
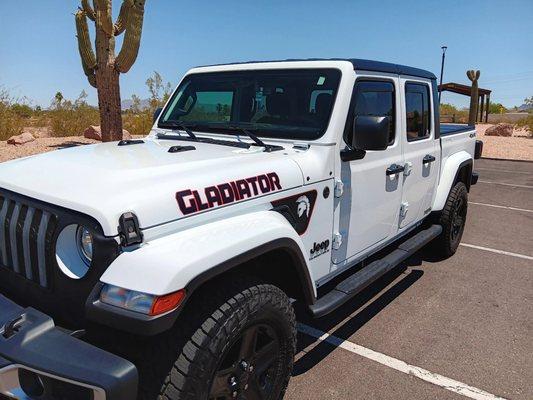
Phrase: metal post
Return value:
(487, 112)
(442, 68)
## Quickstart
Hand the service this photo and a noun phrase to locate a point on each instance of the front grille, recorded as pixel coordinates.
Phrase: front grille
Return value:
(25, 232)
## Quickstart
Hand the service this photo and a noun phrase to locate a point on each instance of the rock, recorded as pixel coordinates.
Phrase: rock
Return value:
(24, 137)
(95, 133)
(501, 129)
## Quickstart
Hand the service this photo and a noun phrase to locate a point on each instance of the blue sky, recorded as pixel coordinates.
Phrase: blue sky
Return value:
(38, 50)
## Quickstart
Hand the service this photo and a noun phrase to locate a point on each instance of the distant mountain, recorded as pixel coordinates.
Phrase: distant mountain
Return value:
(126, 104)
(525, 107)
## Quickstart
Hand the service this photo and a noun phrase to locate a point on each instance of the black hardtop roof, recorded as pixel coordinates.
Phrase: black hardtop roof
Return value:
(358, 65)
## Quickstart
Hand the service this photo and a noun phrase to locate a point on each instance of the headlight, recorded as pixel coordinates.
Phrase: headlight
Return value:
(140, 302)
(74, 251)
(84, 242)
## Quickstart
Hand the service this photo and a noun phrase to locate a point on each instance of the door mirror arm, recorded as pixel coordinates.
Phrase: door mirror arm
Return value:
(349, 154)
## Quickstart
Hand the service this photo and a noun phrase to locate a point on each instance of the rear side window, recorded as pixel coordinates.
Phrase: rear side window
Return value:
(417, 111)
(375, 98)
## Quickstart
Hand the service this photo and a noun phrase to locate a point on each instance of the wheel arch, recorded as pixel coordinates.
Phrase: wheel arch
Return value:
(279, 262)
(262, 244)
(457, 168)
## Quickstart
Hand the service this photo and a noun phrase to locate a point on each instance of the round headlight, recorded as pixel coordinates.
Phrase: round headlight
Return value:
(84, 241)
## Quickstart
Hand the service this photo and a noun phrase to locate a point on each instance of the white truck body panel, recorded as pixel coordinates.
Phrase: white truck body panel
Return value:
(169, 263)
(145, 179)
(140, 178)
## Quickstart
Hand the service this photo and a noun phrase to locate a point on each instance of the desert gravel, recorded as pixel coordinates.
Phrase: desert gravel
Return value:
(40, 145)
(517, 147)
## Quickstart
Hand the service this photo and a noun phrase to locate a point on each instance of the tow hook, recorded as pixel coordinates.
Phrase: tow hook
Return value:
(11, 328)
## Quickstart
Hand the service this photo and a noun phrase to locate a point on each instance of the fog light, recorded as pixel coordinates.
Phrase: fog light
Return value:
(140, 302)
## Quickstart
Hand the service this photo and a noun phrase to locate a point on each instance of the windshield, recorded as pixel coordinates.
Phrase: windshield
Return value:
(286, 104)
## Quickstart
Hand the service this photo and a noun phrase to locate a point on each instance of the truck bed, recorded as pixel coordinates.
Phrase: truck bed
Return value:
(456, 138)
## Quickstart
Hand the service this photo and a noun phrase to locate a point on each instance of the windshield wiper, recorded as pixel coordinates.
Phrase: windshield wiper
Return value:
(193, 138)
(253, 136)
(183, 127)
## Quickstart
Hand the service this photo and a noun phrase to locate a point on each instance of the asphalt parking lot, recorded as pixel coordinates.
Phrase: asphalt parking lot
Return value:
(459, 328)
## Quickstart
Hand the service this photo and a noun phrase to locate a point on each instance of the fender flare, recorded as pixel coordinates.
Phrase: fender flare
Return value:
(449, 175)
(189, 258)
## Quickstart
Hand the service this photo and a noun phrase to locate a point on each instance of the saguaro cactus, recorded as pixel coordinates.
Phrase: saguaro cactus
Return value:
(102, 67)
(474, 96)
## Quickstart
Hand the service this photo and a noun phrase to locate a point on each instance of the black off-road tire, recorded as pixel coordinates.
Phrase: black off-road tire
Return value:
(452, 219)
(184, 363)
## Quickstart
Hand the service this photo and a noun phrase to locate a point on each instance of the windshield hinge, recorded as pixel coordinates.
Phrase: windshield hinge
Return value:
(339, 188)
(337, 241)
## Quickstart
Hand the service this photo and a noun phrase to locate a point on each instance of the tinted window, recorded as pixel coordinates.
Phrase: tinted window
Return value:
(293, 103)
(374, 98)
(417, 111)
(213, 106)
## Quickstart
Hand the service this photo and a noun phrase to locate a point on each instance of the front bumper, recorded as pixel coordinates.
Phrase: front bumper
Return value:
(39, 360)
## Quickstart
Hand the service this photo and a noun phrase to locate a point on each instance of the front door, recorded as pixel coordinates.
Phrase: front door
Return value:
(367, 212)
(421, 151)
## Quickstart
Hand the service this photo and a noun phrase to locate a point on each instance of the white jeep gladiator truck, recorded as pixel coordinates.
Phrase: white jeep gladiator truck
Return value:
(167, 267)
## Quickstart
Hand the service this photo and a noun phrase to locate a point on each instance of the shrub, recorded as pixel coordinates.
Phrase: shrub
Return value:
(71, 118)
(137, 123)
(527, 124)
(450, 113)
(10, 122)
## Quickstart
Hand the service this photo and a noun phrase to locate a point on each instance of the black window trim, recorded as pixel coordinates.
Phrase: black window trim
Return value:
(431, 126)
(349, 119)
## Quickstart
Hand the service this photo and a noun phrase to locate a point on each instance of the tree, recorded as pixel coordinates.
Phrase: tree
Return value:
(58, 98)
(529, 101)
(103, 69)
(81, 101)
(159, 91)
(497, 108)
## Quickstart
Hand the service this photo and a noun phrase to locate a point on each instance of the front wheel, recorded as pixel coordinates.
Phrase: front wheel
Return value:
(242, 348)
(452, 219)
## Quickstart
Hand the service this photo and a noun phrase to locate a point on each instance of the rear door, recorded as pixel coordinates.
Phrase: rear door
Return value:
(367, 213)
(421, 150)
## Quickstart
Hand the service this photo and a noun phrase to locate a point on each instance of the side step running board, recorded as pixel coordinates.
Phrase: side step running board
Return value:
(355, 283)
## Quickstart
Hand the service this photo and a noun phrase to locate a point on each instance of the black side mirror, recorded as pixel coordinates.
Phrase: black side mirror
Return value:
(157, 112)
(369, 133)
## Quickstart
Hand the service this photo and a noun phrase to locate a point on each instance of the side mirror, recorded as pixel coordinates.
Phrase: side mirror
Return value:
(371, 133)
(157, 112)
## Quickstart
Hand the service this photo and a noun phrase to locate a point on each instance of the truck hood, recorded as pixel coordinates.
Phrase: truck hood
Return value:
(105, 180)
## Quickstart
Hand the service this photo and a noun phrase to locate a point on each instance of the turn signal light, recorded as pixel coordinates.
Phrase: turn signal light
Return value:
(163, 304)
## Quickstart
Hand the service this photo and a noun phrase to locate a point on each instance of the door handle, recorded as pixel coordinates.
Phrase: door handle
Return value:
(395, 169)
(428, 159)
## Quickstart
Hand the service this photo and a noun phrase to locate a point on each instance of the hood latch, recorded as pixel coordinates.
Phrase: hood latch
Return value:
(129, 230)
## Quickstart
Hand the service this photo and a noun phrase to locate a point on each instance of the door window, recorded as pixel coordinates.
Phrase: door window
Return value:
(375, 98)
(417, 111)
